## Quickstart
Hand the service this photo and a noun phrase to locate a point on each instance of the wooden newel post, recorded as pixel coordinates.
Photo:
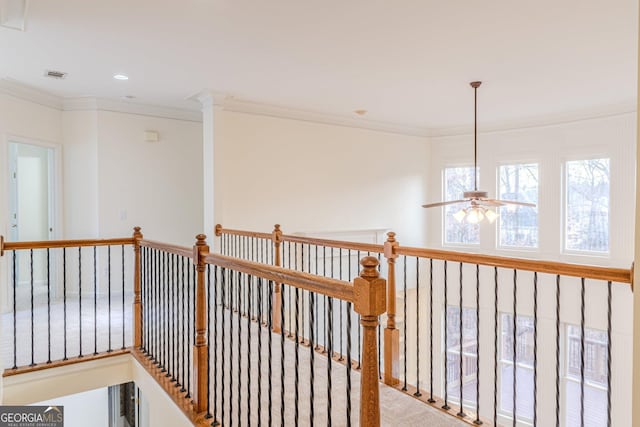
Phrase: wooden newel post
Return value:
(276, 321)
(370, 302)
(391, 334)
(200, 359)
(137, 295)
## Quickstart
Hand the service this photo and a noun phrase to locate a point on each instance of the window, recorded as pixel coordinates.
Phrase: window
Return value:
(518, 225)
(456, 181)
(587, 205)
(469, 358)
(595, 376)
(524, 367)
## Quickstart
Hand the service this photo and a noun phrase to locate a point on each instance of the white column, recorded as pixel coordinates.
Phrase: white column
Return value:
(208, 99)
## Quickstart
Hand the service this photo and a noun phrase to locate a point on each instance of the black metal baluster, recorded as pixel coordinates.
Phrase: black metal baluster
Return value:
(558, 350)
(297, 357)
(64, 300)
(270, 350)
(404, 323)
(239, 372)
(95, 302)
(495, 347)
(359, 326)
(282, 371)
(174, 297)
(32, 330)
(461, 339)
(80, 297)
(311, 358)
(123, 312)
(446, 344)
(223, 291)
(348, 364)
(582, 356)
(190, 308)
(163, 310)
(259, 304)
(515, 344)
(609, 354)
(14, 280)
(109, 293)
(535, 348)
(48, 307)
(417, 393)
(341, 358)
(329, 357)
(249, 314)
(208, 292)
(215, 345)
(477, 420)
(232, 296)
(317, 320)
(431, 399)
(181, 322)
(289, 334)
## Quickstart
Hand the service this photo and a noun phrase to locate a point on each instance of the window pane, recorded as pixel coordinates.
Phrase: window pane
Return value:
(595, 374)
(469, 360)
(524, 366)
(587, 210)
(456, 182)
(519, 224)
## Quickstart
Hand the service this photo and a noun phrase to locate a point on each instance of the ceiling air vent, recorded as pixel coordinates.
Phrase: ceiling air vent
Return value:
(55, 74)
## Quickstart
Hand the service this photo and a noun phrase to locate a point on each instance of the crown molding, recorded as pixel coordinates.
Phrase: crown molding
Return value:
(240, 106)
(28, 93)
(628, 107)
(112, 105)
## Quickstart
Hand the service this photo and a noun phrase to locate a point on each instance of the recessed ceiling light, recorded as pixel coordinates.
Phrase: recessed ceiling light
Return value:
(360, 112)
(129, 97)
(120, 77)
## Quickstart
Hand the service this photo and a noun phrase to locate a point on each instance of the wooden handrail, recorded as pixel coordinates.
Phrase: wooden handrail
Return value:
(322, 285)
(619, 275)
(354, 246)
(44, 244)
(219, 231)
(167, 247)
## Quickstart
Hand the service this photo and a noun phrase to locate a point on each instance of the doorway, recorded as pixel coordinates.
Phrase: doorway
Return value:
(32, 208)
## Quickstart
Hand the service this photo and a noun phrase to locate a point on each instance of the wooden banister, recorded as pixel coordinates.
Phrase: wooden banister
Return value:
(322, 285)
(137, 296)
(169, 248)
(355, 246)
(219, 230)
(51, 244)
(619, 275)
(369, 302)
(391, 334)
(200, 348)
(276, 321)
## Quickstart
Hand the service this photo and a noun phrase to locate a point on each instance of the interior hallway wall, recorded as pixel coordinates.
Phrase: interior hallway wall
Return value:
(312, 177)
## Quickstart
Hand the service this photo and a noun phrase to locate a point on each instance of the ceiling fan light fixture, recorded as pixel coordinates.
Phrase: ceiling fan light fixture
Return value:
(459, 216)
(475, 215)
(491, 216)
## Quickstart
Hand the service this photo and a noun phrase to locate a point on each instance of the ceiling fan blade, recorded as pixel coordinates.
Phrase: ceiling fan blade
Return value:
(450, 202)
(513, 202)
(491, 202)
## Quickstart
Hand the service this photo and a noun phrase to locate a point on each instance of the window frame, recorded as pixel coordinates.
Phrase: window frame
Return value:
(443, 180)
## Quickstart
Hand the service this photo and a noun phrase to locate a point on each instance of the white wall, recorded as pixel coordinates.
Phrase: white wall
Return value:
(312, 177)
(90, 408)
(156, 185)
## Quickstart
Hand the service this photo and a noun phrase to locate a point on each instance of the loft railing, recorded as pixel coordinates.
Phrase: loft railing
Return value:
(69, 300)
(182, 301)
(488, 339)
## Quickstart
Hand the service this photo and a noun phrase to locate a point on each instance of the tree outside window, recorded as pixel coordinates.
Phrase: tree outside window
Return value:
(518, 225)
(587, 205)
(456, 181)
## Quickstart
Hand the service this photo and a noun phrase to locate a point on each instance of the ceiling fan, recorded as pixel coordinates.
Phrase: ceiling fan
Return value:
(478, 203)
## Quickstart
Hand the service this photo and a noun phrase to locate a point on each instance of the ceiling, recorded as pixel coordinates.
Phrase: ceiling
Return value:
(406, 62)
